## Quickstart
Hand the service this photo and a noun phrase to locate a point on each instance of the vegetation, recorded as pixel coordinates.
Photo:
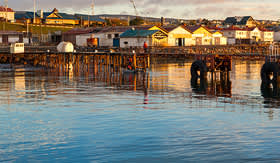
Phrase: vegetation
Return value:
(36, 29)
(136, 21)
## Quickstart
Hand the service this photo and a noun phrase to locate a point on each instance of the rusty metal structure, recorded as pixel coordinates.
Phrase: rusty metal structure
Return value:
(210, 63)
(270, 71)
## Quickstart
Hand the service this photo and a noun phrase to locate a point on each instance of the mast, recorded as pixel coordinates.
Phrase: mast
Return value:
(34, 10)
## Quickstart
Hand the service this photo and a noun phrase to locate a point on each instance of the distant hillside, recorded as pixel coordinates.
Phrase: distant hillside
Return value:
(35, 29)
(150, 19)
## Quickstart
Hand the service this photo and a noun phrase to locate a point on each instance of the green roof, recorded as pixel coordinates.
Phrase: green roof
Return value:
(138, 33)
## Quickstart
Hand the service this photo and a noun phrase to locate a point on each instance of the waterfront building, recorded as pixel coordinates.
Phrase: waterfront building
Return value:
(27, 17)
(241, 21)
(178, 35)
(136, 38)
(55, 17)
(7, 14)
(110, 36)
(252, 35)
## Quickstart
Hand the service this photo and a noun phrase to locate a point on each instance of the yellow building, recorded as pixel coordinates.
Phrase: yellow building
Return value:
(201, 35)
(7, 14)
(178, 35)
(55, 17)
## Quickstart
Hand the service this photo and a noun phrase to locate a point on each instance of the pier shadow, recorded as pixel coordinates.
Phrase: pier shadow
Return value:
(212, 87)
(271, 94)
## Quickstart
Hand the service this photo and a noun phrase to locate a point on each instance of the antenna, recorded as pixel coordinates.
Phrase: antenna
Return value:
(92, 7)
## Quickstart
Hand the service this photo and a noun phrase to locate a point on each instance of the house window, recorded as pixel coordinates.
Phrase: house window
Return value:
(109, 36)
(117, 35)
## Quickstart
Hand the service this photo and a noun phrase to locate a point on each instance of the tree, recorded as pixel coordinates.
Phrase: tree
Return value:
(136, 21)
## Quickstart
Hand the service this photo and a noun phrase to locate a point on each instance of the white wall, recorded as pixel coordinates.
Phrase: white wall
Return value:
(13, 39)
(104, 40)
(81, 40)
(231, 41)
(268, 36)
(134, 42)
(277, 36)
(178, 31)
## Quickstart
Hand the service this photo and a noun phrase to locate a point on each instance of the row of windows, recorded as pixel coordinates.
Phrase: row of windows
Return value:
(109, 36)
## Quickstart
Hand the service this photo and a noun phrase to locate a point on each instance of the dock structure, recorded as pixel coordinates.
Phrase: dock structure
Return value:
(128, 61)
(208, 58)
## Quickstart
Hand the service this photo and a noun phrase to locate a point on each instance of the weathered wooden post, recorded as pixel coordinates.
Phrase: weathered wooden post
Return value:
(134, 60)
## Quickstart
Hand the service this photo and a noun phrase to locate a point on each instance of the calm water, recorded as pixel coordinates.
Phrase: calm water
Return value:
(90, 116)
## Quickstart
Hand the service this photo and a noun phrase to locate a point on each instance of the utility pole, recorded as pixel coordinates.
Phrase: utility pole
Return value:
(92, 7)
(34, 14)
(92, 11)
(6, 15)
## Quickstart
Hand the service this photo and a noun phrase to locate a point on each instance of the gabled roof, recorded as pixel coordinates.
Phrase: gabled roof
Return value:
(237, 20)
(4, 9)
(230, 20)
(61, 16)
(10, 33)
(194, 28)
(115, 29)
(78, 31)
(244, 20)
(168, 28)
(90, 18)
(233, 28)
(25, 15)
(138, 33)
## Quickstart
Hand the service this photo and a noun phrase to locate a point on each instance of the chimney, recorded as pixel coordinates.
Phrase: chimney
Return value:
(162, 21)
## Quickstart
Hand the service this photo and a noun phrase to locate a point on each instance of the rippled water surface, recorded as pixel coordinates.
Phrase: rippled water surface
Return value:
(158, 116)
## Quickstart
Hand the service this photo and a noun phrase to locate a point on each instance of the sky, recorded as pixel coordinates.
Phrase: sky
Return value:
(183, 9)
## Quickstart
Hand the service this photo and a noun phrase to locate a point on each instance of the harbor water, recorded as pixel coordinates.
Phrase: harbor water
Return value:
(158, 116)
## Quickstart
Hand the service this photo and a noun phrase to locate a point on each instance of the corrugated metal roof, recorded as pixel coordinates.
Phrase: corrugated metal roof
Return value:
(115, 29)
(25, 15)
(10, 33)
(138, 33)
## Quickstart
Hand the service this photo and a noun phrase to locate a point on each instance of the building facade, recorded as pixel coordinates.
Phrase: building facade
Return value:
(7, 14)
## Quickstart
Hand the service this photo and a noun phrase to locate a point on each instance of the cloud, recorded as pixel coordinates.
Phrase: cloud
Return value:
(191, 9)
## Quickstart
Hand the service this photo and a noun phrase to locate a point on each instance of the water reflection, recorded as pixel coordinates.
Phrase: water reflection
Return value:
(271, 94)
(214, 87)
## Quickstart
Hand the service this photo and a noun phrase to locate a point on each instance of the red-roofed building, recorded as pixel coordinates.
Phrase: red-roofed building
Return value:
(7, 14)
(247, 35)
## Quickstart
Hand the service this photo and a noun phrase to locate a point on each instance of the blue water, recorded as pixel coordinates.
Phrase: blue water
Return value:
(159, 116)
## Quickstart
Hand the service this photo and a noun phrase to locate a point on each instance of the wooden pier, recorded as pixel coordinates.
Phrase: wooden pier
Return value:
(128, 61)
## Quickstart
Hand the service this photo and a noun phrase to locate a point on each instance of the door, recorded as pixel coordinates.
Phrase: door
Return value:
(21, 38)
(116, 42)
(5, 39)
(180, 42)
(198, 41)
(217, 41)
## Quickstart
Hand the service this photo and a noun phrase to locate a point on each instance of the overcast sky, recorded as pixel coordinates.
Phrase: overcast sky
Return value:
(187, 9)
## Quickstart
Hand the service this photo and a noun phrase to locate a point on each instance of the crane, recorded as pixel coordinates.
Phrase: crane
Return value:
(134, 6)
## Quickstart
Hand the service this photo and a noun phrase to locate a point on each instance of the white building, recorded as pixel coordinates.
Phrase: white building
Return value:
(178, 35)
(110, 36)
(136, 38)
(7, 14)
